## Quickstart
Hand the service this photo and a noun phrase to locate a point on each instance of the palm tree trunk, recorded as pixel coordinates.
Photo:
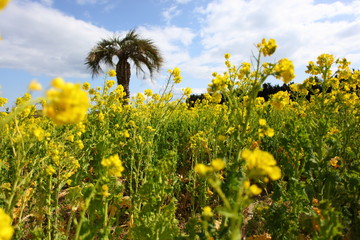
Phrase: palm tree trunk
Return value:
(123, 75)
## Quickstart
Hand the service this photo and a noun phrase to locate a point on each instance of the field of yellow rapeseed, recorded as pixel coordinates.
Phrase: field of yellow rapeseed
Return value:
(85, 162)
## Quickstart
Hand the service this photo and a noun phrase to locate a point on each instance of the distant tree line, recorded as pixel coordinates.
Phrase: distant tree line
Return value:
(266, 92)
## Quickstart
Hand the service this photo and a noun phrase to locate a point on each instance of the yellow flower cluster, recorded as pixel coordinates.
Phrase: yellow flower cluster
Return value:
(253, 188)
(6, 230)
(176, 74)
(34, 86)
(86, 86)
(110, 83)
(280, 99)
(244, 70)
(260, 164)
(207, 212)
(114, 164)
(216, 165)
(3, 101)
(265, 130)
(284, 70)
(187, 91)
(3, 3)
(112, 73)
(267, 48)
(66, 102)
(105, 190)
(297, 87)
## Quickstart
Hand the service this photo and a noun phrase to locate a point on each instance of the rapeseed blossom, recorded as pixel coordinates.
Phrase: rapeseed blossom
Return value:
(50, 170)
(110, 83)
(6, 230)
(280, 99)
(261, 164)
(284, 70)
(3, 101)
(114, 164)
(66, 102)
(267, 48)
(148, 92)
(176, 74)
(105, 191)
(202, 169)
(112, 73)
(255, 190)
(86, 86)
(325, 60)
(252, 188)
(34, 86)
(3, 4)
(262, 122)
(218, 164)
(187, 91)
(207, 212)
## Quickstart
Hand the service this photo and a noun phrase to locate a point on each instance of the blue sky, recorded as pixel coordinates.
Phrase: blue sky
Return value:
(43, 39)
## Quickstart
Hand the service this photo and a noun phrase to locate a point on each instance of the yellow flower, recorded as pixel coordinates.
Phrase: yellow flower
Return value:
(246, 184)
(261, 163)
(325, 60)
(110, 83)
(79, 144)
(284, 70)
(57, 82)
(334, 162)
(148, 92)
(66, 103)
(245, 69)
(187, 91)
(202, 169)
(218, 164)
(6, 230)
(126, 133)
(70, 138)
(262, 122)
(114, 164)
(227, 55)
(105, 189)
(112, 73)
(86, 86)
(39, 133)
(34, 86)
(207, 212)
(280, 99)
(3, 4)
(267, 48)
(176, 74)
(101, 117)
(269, 132)
(3, 101)
(255, 190)
(50, 170)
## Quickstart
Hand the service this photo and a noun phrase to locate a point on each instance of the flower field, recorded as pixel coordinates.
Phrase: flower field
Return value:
(86, 162)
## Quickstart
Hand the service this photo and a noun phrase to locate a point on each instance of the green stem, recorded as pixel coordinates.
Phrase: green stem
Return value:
(49, 224)
(82, 214)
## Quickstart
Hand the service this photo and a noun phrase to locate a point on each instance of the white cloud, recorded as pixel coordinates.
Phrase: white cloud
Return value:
(173, 42)
(182, 1)
(83, 2)
(170, 13)
(47, 2)
(45, 41)
(302, 28)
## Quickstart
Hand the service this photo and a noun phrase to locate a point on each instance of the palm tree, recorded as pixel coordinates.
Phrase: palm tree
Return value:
(141, 52)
